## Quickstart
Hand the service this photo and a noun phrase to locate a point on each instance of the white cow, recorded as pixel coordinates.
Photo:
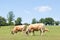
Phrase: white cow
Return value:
(36, 27)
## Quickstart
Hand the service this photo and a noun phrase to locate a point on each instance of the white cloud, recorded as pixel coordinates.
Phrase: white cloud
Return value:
(43, 8)
(26, 11)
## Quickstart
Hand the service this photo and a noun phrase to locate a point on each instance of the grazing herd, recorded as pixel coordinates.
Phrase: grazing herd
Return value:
(30, 28)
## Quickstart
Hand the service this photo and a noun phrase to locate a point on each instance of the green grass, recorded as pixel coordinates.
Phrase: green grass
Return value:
(53, 34)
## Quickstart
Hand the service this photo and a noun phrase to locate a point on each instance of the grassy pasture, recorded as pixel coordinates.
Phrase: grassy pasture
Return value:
(53, 34)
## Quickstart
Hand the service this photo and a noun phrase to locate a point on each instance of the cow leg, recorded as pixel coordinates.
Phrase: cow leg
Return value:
(33, 33)
(16, 32)
(41, 32)
(27, 32)
(22, 31)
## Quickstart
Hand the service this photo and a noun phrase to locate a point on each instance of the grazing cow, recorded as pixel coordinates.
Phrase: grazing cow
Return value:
(36, 27)
(18, 28)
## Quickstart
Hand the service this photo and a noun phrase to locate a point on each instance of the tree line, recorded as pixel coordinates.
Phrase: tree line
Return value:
(10, 19)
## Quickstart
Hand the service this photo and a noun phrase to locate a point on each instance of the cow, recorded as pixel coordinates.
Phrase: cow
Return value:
(18, 28)
(36, 27)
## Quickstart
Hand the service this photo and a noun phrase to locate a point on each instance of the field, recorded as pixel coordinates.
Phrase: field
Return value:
(53, 34)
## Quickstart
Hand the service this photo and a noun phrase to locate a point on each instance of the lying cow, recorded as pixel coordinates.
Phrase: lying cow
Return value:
(36, 27)
(18, 28)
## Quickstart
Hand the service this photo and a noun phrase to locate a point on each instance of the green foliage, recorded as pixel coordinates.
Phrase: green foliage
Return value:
(34, 21)
(10, 17)
(41, 20)
(18, 21)
(49, 21)
(2, 21)
(26, 24)
(57, 22)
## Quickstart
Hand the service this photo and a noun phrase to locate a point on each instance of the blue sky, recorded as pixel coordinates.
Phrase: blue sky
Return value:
(29, 9)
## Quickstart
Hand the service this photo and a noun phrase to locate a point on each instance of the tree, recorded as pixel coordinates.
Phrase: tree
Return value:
(10, 17)
(26, 24)
(41, 20)
(49, 21)
(2, 21)
(18, 21)
(57, 22)
(34, 21)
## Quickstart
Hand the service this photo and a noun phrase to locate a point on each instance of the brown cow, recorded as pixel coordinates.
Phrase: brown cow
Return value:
(36, 27)
(18, 28)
